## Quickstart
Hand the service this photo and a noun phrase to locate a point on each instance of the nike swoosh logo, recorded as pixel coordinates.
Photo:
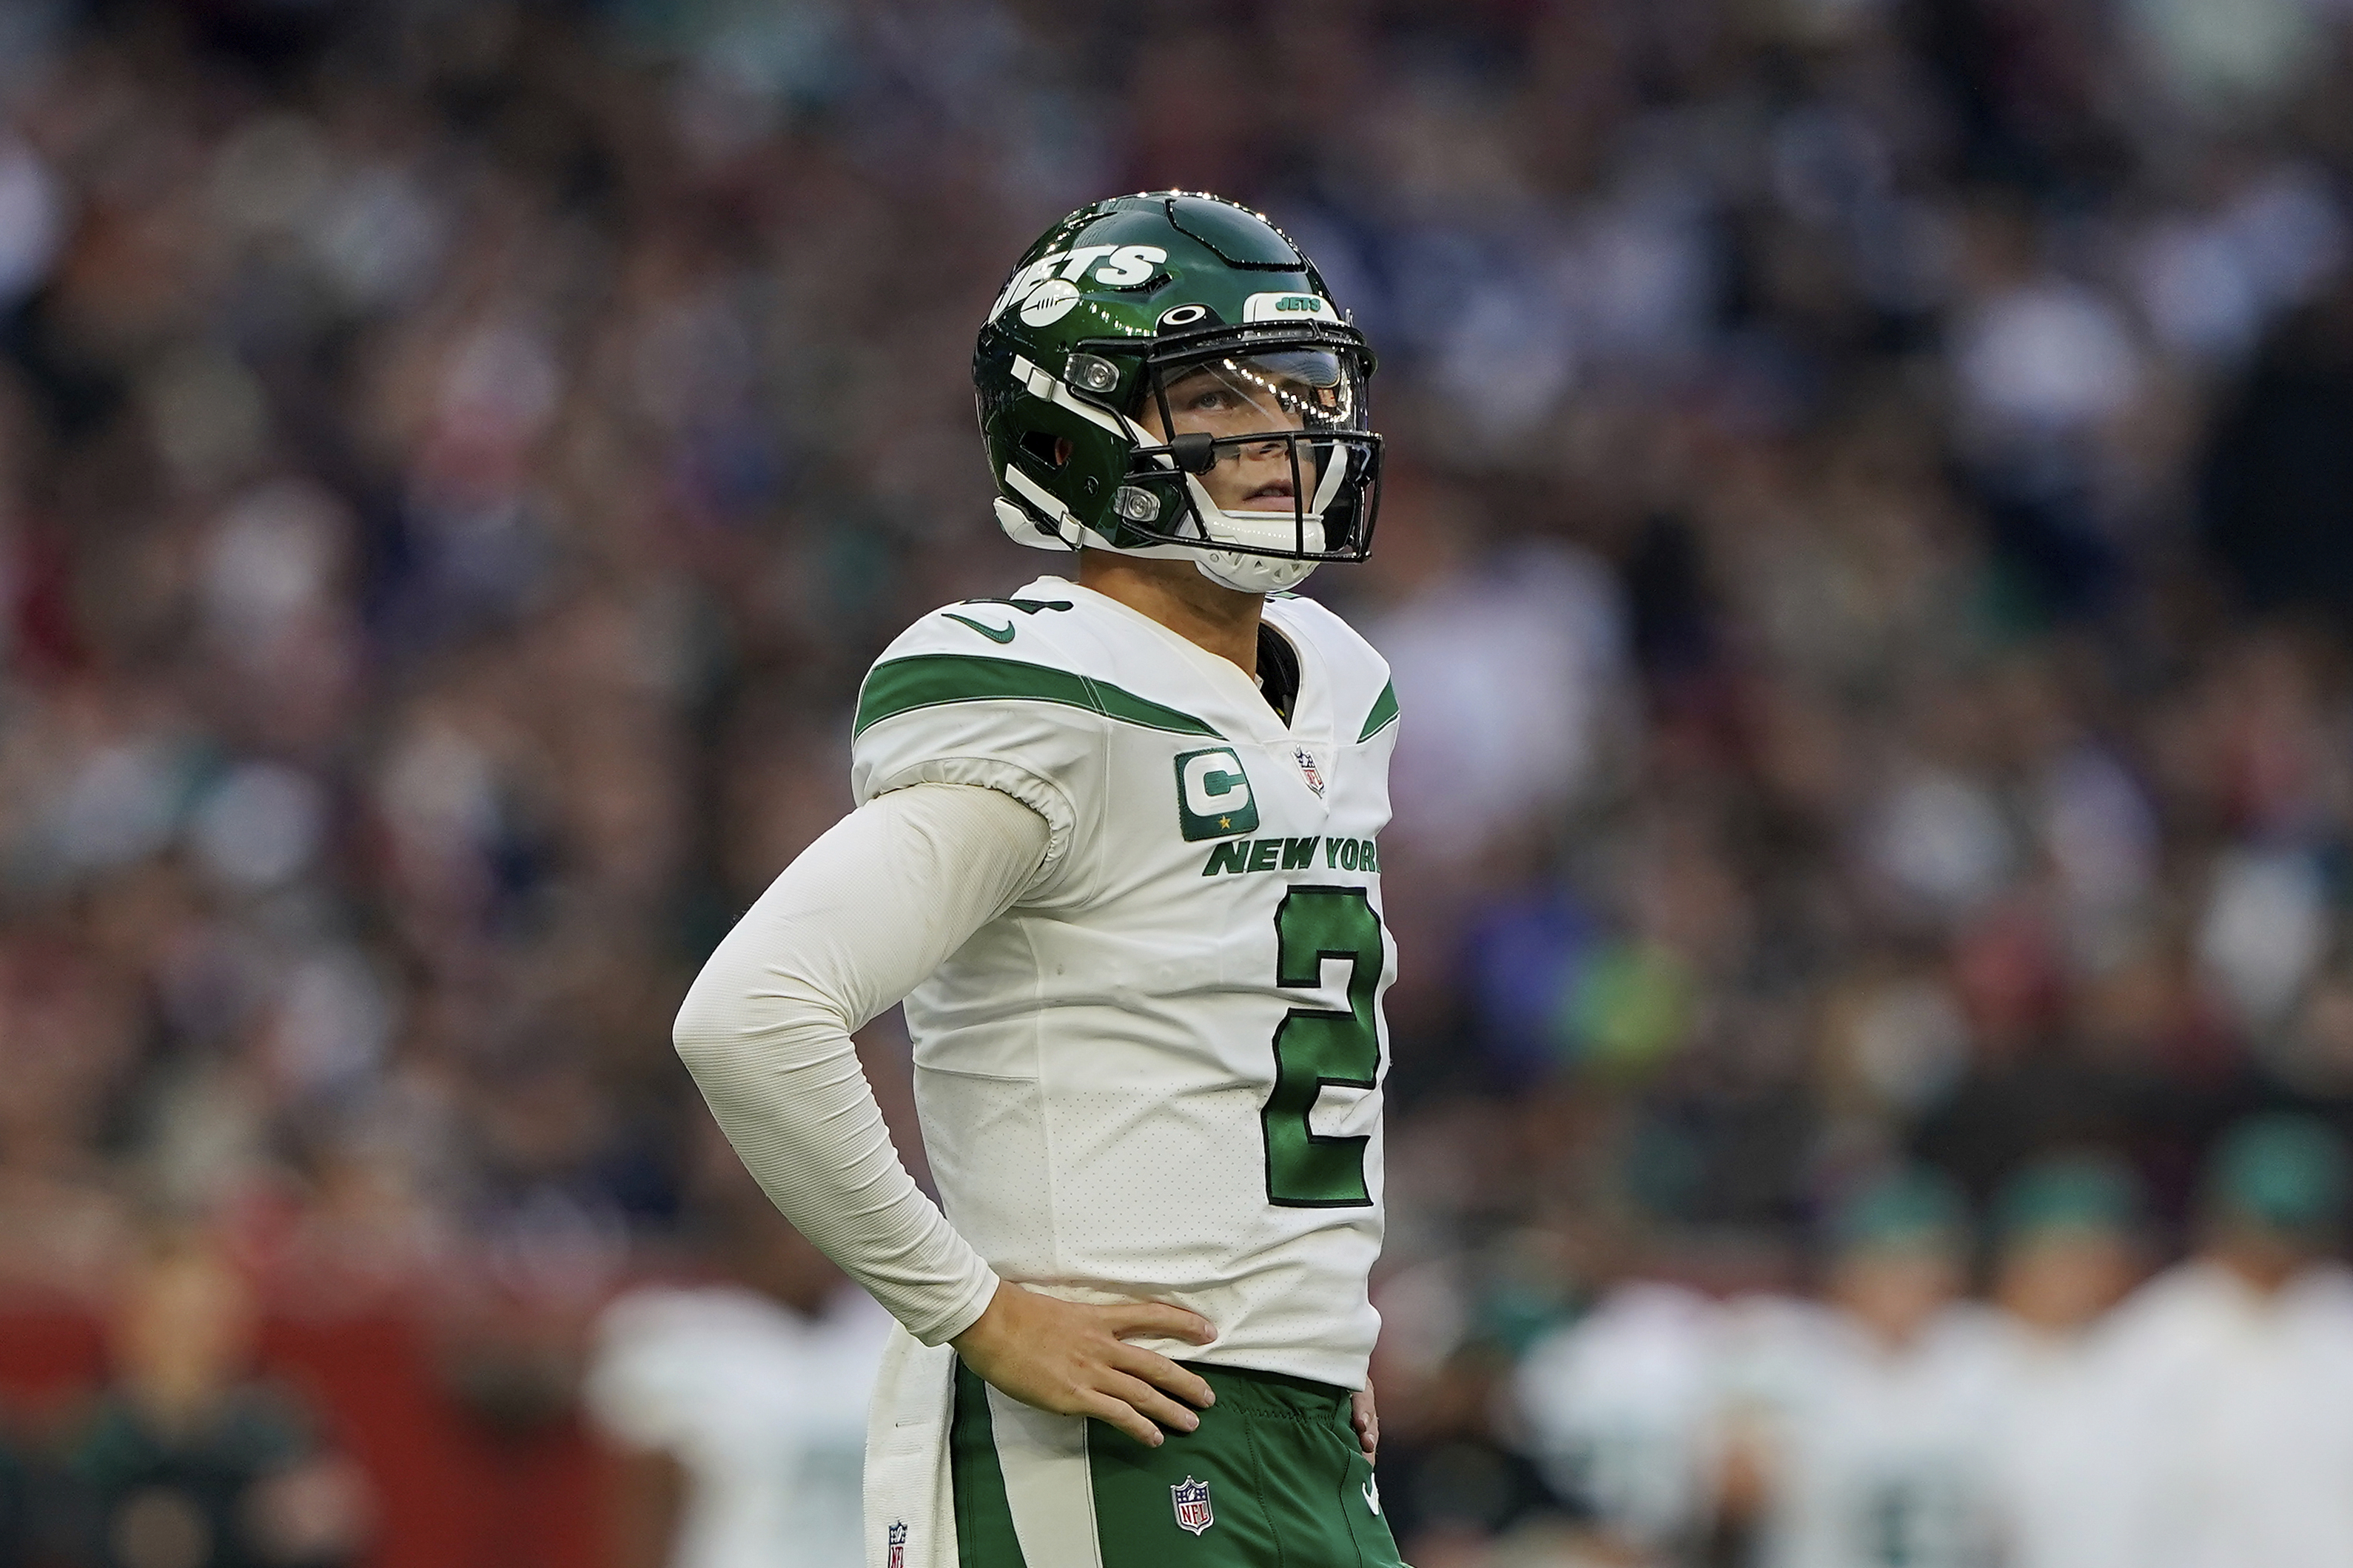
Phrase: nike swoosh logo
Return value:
(1373, 1496)
(991, 632)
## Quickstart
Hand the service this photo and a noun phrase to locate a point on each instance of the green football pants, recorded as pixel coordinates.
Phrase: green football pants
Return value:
(1272, 1479)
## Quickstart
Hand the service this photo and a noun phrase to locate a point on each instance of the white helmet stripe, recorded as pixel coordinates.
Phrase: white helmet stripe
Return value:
(1054, 390)
(1074, 534)
(1049, 505)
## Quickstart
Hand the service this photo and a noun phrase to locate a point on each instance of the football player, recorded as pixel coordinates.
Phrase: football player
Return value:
(736, 1404)
(2238, 1364)
(2071, 1235)
(1118, 845)
(1864, 1426)
(1623, 1407)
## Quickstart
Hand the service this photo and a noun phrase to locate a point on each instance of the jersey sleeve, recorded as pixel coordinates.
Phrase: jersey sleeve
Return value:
(932, 711)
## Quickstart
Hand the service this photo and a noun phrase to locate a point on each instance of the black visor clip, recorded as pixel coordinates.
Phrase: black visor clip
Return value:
(1194, 451)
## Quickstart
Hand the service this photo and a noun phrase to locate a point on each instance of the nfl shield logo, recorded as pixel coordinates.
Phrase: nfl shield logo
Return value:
(1309, 771)
(1192, 1500)
(898, 1546)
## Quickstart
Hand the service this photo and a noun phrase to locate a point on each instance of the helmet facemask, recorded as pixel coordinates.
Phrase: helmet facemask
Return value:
(1252, 454)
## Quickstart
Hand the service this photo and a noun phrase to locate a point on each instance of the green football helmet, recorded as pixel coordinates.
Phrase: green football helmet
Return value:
(1164, 374)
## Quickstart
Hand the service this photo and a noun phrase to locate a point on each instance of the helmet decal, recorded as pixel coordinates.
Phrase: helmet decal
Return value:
(1049, 302)
(1127, 266)
(1284, 307)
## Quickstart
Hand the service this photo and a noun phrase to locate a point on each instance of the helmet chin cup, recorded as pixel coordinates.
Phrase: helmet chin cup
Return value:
(1251, 574)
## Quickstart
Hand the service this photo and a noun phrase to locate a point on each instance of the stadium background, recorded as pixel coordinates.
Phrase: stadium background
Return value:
(1869, 530)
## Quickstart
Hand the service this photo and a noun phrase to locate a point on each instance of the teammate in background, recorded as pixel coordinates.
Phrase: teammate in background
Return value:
(2238, 1364)
(738, 1404)
(1622, 1405)
(1858, 1431)
(1117, 848)
(2071, 1244)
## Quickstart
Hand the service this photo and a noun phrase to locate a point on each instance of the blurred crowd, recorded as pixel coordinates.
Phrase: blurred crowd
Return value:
(1865, 561)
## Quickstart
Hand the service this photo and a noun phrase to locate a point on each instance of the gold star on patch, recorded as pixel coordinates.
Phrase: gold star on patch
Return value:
(1225, 822)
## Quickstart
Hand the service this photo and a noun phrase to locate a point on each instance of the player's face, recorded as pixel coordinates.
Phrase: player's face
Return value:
(1231, 398)
(1895, 1290)
(2064, 1280)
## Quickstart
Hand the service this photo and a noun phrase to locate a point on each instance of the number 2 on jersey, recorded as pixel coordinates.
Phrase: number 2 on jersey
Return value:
(1314, 1047)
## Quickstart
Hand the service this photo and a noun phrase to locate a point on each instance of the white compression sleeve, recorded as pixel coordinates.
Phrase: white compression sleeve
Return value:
(850, 927)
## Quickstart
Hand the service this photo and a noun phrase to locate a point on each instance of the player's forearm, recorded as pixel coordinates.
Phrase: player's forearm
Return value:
(850, 927)
(793, 1100)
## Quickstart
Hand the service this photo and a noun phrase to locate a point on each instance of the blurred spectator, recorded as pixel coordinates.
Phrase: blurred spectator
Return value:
(739, 1403)
(187, 1462)
(2275, 491)
(2241, 1364)
(1513, 659)
(30, 221)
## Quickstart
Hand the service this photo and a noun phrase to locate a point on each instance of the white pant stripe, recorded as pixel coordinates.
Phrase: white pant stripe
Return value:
(1047, 1483)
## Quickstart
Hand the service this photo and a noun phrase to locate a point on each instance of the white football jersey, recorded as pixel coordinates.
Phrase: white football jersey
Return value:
(2242, 1406)
(2068, 1453)
(1623, 1405)
(765, 1408)
(1875, 1457)
(1158, 1075)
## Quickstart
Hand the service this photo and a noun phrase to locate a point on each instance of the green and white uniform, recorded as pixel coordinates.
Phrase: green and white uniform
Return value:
(1135, 918)
(1273, 1478)
(1157, 1075)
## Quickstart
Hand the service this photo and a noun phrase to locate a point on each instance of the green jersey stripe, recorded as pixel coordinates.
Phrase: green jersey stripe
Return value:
(928, 679)
(1384, 713)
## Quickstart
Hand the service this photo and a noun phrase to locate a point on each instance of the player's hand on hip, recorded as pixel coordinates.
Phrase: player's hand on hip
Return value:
(1074, 1360)
(1366, 1421)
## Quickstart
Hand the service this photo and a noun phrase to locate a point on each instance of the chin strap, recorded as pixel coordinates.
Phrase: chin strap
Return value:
(1046, 523)
(1023, 529)
(1024, 525)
